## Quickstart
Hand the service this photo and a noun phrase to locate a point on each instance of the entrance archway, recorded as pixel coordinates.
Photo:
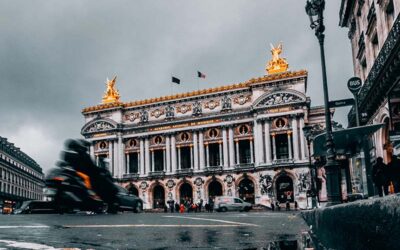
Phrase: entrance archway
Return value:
(185, 192)
(284, 189)
(158, 197)
(133, 190)
(246, 190)
(214, 189)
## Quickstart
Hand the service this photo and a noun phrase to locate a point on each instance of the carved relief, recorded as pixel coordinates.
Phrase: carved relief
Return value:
(158, 140)
(144, 116)
(131, 116)
(242, 99)
(198, 182)
(212, 104)
(213, 133)
(184, 108)
(169, 112)
(266, 184)
(157, 113)
(102, 146)
(197, 108)
(99, 126)
(280, 98)
(280, 123)
(170, 184)
(226, 103)
(304, 182)
(184, 137)
(131, 143)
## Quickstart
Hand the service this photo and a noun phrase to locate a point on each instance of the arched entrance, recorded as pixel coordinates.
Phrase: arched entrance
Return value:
(185, 192)
(284, 189)
(133, 190)
(246, 190)
(214, 189)
(158, 197)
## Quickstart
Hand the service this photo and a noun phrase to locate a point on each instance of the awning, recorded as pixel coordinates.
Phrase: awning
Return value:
(346, 140)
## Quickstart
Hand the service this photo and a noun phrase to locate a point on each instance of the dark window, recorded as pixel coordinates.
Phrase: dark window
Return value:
(213, 150)
(244, 151)
(185, 158)
(158, 160)
(282, 151)
(133, 163)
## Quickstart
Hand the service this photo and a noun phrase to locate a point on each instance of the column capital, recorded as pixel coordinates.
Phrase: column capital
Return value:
(273, 134)
(289, 133)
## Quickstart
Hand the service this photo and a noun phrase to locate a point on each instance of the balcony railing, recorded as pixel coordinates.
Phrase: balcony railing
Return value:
(130, 176)
(282, 161)
(187, 171)
(157, 174)
(244, 166)
(213, 169)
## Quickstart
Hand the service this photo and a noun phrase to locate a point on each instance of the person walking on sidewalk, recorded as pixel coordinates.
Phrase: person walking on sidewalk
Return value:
(394, 172)
(380, 177)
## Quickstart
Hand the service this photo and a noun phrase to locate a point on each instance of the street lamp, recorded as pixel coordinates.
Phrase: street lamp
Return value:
(308, 132)
(315, 9)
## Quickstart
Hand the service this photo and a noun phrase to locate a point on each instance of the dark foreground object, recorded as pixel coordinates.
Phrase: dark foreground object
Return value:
(366, 224)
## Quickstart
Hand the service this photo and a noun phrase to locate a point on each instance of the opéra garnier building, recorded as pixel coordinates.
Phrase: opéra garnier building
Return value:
(243, 140)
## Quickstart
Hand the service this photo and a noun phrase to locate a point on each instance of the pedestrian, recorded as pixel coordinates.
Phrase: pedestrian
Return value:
(394, 172)
(181, 208)
(207, 207)
(380, 177)
(278, 206)
(272, 206)
(165, 208)
(200, 204)
(177, 207)
(296, 206)
(171, 204)
(287, 205)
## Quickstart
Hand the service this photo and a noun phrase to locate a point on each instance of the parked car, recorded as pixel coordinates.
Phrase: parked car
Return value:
(127, 201)
(227, 203)
(38, 207)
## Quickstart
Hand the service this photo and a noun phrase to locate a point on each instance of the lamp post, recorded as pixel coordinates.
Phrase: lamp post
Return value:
(315, 9)
(308, 131)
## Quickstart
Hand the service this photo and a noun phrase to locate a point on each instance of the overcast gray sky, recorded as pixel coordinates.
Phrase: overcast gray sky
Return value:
(56, 55)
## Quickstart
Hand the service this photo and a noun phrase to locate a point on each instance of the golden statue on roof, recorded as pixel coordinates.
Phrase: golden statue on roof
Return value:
(277, 64)
(111, 95)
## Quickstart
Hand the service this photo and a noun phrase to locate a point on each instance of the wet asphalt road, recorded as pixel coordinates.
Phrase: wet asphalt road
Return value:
(253, 230)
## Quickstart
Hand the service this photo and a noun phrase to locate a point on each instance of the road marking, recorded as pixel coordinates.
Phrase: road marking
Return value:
(27, 245)
(215, 220)
(144, 225)
(12, 227)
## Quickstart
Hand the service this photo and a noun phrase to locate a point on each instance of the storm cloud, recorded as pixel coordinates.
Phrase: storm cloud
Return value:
(56, 55)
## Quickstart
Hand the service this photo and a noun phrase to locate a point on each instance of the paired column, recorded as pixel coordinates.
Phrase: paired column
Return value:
(110, 154)
(147, 155)
(237, 152)
(220, 153)
(195, 151)
(267, 139)
(152, 161)
(142, 166)
(201, 149)
(231, 148)
(295, 139)
(168, 151)
(251, 151)
(173, 153)
(302, 140)
(207, 155)
(121, 158)
(256, 143)
(127, 164)
(114, 169)
(225, 146)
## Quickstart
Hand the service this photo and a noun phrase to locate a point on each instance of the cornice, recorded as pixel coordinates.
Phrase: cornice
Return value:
(244, 85)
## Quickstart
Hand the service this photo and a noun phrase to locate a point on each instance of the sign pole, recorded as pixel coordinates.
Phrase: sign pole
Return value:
(354, 84)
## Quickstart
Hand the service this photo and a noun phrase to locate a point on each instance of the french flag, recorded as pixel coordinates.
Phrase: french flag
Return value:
(201, 75)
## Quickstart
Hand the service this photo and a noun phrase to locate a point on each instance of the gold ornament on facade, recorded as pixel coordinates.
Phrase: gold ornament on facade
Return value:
(277, 64)
(111, 95)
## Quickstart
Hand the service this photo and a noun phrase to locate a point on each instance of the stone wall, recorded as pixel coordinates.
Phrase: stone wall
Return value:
(365, 224)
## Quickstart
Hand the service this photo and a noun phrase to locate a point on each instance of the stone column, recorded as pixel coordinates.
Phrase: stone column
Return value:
(295, 139)
(237, 153)
(251, 151)
(207, 156)
(164, 159)
(127, 164)
(91, 149)
(168, 152)
(121, 154)
(142, 165)
(201, 150)
(267, 139)
(256, 142)
(290, 144)
(273, 146)
(138, 161)
(220, 153)
(110, 155)
(147, 155)
(231, 148)
(114, 169)
(152, 161)
(173, 154)
(191, 156)
(179, 158)
(196, 151)
(225, 145)
(303, 144)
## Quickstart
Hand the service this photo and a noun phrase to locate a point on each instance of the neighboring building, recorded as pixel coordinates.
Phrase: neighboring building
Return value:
(21, 178)
(243, 140)
(374, 33)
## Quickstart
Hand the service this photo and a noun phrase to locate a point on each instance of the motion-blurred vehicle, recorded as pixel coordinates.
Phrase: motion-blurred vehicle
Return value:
(228, 203)
(127, 201)
(36, 207)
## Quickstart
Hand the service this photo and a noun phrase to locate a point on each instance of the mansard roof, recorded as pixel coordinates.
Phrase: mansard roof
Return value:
(243, 85)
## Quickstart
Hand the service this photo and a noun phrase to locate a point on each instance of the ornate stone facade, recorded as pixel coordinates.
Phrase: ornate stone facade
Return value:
(244, 140)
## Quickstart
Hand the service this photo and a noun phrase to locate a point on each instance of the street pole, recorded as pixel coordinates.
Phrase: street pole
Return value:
(315, 8)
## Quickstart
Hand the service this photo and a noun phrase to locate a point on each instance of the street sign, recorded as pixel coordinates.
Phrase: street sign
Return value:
(341, 103)
(354, 84)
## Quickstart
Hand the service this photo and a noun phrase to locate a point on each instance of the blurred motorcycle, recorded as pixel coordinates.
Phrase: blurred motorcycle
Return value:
(79, 183)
